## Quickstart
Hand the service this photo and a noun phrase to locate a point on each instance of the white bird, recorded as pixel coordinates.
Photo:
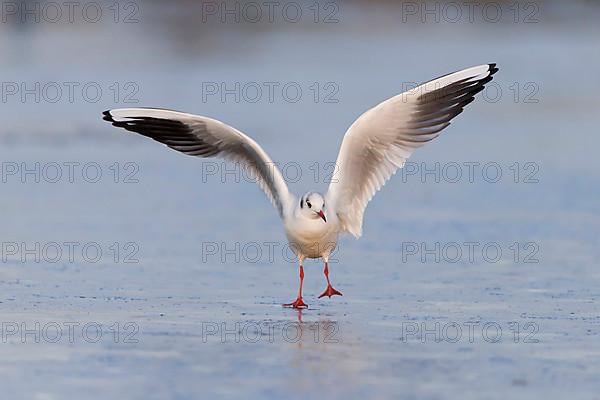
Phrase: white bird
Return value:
(376, 145)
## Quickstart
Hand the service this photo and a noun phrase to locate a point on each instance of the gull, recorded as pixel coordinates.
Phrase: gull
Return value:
(375, 146)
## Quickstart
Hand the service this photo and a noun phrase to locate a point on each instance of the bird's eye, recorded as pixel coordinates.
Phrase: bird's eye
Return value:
(308, 204)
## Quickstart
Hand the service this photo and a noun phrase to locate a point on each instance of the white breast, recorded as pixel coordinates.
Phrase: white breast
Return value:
(312, 238)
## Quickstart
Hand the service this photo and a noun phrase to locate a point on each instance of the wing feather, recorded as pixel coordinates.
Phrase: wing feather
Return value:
(205, 137)
(381, 140)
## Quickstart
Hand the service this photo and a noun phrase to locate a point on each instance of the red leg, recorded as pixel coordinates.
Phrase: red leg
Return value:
(330, 291)
(298, 303)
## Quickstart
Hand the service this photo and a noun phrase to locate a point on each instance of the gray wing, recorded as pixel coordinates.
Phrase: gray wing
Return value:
(205, 137)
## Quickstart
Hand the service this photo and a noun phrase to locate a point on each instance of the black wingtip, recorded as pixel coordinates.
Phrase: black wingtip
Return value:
(107, 116)
(492, 68)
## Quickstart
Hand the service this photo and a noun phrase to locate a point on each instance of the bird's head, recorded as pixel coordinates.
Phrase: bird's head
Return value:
(312, 205)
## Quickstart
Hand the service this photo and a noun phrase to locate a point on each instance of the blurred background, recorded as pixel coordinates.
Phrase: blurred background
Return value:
(294, 75)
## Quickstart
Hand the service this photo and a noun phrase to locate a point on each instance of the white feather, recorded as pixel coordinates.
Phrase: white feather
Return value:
(206, 137)
(381, 140)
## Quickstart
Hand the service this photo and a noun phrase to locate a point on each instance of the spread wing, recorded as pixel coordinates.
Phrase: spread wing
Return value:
(205, 137)
(380, 141)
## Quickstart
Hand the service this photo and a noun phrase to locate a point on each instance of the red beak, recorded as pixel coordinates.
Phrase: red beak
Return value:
(322, 215)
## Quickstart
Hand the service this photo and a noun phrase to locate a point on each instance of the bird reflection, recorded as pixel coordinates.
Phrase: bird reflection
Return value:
(319, 351)
(321, 332)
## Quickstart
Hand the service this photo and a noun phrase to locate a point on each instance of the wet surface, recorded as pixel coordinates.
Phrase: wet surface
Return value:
(164, 276)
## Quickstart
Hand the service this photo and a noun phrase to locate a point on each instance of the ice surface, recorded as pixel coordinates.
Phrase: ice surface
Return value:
(187, 320)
